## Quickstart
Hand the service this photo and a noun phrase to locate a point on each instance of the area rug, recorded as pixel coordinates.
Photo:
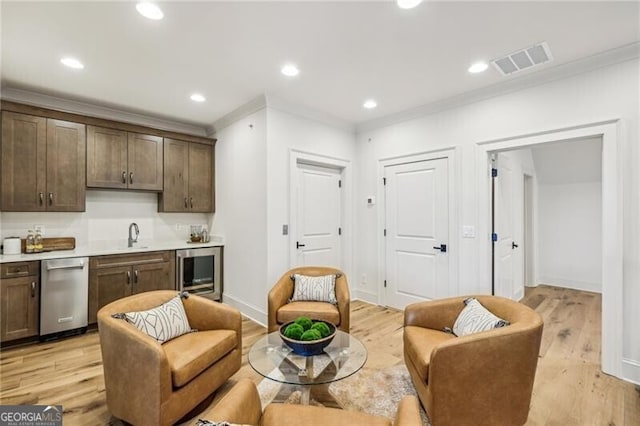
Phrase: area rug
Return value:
(376, 392)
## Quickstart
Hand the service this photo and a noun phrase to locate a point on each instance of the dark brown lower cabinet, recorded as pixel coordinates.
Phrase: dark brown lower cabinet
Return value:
(20, 299)
(113, 277)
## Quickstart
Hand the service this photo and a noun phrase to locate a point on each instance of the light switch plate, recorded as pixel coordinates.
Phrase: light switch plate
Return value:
(468, 231)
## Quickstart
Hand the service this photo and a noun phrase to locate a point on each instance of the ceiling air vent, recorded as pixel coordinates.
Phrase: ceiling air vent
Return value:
(523, 59)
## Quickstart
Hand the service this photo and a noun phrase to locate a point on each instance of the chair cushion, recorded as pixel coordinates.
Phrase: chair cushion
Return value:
(318, 289)
(475, 318)
(309, 415)
(419, 343)
(191, 354)
(314, 310)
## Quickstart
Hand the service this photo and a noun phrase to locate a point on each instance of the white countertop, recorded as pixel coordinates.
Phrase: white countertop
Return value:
(100, 248)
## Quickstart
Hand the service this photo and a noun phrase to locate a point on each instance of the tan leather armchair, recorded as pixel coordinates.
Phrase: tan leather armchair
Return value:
(241, 405)
(281, 312)
(148, 383)
(484, 378)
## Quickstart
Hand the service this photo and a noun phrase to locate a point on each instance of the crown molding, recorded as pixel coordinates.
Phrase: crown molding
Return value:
(239, 113)
(590, 63)
(83, 108)
(280, 104)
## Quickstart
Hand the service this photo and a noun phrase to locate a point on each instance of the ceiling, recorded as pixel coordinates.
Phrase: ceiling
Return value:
(347, 52)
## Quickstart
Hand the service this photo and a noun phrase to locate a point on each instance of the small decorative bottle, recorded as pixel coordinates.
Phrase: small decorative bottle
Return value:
(30, 242)
(37, 242)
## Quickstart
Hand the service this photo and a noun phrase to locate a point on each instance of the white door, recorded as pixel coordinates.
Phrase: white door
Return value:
(509, 227)
(417, 237)
(318, 215)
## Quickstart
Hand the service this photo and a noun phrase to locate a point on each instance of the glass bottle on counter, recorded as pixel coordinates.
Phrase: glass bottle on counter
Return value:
(29, 245)
(37, 242)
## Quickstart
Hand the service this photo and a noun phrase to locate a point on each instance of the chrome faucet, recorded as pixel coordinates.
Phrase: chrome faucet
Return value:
(132, 240)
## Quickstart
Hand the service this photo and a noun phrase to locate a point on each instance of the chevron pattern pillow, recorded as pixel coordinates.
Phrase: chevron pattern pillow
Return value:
(317, 289)
(475, 318)
(164, 322)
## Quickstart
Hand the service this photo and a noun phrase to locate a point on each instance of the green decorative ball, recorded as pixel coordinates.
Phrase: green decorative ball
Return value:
(322, 328)
(294, 331)
(311, 335)
(304, 322)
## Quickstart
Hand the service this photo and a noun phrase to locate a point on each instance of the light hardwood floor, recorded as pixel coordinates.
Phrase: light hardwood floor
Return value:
(569, 389)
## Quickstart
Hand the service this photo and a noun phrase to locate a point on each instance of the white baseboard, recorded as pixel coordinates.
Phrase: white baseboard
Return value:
(594, 287)
(631, 371)
(365, 296)
(252, 312)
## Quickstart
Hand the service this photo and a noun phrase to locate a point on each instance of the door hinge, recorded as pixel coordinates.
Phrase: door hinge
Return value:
(384, 180)
(385, 283)
(494, 172)
(384, 232)
(339, 183)
(339, 231)
(494, 237)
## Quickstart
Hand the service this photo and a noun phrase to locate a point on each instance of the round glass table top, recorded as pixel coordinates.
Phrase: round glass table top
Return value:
(273, 359)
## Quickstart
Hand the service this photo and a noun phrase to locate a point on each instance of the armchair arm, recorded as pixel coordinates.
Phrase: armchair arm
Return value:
(344, 302)
(240, 405)
(131, 394)
(205, 314)
(435, 314)
(278, 297)
(408, 413)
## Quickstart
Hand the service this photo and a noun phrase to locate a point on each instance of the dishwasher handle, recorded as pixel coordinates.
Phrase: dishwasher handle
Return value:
(78, 265)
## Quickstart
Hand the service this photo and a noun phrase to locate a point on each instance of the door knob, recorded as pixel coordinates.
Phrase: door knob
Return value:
(442, 248)
(298, 245)
(513, 245)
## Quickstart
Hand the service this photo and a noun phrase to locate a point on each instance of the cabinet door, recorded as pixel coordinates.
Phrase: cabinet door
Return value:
(24, 144)
(106, 158)
(154, 276)
(66, 166)
(107, 285)
(200, 178)
(145, 162)
(175, 195)
(19, 312)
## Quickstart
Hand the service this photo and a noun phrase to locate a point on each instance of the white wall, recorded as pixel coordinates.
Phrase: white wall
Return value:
(570, 235)
(252, 197)
(106, 220)
(241, 211)
(606, 93)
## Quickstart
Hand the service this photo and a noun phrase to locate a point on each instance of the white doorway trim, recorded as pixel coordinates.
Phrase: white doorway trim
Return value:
(612, 248)
(454, 157)
(345, 167)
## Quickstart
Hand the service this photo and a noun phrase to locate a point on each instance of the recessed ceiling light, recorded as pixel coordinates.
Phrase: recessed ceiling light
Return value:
(72, 63)
(408, 4)
(478, 67)
(149, 10)
(370, 104)
(290, 70)
(197, 97)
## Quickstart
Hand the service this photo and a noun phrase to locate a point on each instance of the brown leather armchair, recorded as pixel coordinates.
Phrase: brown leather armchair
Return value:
(281, 312)
(484, 378)
(148, 383)
(241, 405)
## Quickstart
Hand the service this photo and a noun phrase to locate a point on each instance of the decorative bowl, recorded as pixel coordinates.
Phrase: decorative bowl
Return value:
(310, 347)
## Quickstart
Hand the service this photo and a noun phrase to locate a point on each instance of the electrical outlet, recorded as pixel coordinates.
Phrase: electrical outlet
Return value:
(39, 228)
(178, 226)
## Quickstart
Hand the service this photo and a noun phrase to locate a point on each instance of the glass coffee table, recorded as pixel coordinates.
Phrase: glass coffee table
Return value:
(273, 359)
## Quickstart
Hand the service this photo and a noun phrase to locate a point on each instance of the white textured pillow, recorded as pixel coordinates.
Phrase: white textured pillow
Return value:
(475, 318)
(164, 322)
(318, 289)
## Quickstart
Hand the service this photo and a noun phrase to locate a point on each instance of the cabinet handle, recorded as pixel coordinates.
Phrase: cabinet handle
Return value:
(124, 177)
(186, 204)
(128, 277)
(33, 289)
(51, 198)
(41, 194)
(131, 177)
(191, 201)
(135, 276)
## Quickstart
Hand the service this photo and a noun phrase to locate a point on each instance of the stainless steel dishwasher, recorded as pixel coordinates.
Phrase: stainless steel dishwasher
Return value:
(64, 296)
